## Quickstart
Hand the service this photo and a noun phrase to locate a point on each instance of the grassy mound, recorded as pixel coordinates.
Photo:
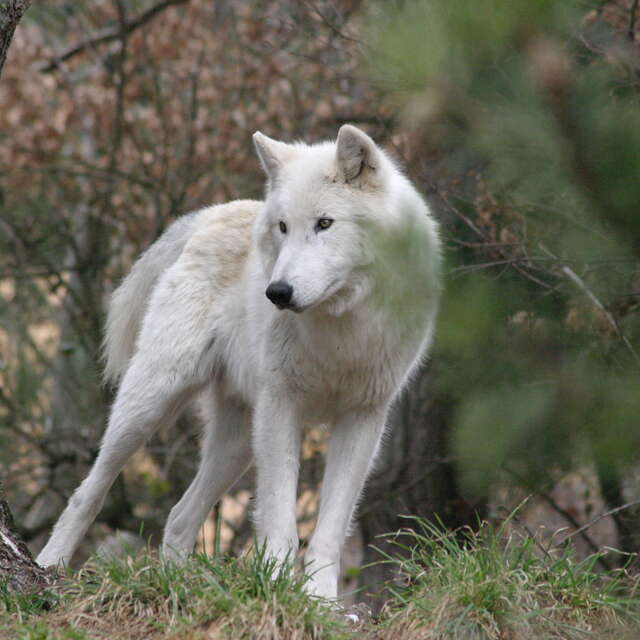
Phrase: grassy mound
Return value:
(143, 597)
(450, 585)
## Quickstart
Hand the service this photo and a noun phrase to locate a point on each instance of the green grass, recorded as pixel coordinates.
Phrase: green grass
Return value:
(143, 597)
(482, 584)
(461, 584)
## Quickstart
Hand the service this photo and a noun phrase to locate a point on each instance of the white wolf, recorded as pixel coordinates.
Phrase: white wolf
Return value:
(349, 259)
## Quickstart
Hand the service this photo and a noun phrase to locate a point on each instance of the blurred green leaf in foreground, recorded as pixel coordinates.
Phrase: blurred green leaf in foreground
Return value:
(527, 117)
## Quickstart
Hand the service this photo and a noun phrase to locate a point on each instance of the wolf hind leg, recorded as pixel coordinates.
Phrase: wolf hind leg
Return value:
(225, 457)
(174, 359)
(132, 422)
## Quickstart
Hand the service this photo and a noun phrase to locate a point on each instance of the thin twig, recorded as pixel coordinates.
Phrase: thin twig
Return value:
(580, 283)
(514, 516)
(515, 264)
(606, 514)
(575, 524)
(332, 26)
(496, 263)
(632, 21)
(564, 513)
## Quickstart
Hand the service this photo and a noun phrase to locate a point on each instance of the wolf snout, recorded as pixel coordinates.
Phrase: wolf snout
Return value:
(280, 293)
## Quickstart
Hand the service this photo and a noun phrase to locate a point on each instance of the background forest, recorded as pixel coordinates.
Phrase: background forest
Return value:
(520, 123)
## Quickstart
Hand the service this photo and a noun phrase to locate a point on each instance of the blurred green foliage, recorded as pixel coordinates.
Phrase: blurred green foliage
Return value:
(529, 114)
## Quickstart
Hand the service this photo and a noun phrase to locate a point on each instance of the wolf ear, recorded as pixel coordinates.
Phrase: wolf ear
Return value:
(357, 154)
(272, 154)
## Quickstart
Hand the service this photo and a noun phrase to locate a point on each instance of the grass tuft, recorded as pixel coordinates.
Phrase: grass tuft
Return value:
(481, 584)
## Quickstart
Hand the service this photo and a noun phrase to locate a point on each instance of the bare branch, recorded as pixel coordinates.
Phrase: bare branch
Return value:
(566, 514)
(107, 35)
(337, 29)
(632, 21)
(573, 276)
(606, 514)
(581, 284)
(517, 264)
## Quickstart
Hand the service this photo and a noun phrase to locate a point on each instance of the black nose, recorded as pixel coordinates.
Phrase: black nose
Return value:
(280, 293)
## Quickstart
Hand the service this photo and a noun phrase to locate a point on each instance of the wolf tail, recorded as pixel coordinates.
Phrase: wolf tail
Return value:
(129, 301)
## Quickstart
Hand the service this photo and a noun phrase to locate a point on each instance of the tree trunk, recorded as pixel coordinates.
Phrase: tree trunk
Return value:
(10, 13)
(414, 477)
(18, 571)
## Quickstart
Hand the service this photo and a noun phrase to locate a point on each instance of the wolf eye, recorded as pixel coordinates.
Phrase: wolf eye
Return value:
(283, 226)
(323, 223)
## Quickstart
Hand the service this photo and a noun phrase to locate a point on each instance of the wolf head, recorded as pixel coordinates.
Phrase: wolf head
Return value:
(313, 231)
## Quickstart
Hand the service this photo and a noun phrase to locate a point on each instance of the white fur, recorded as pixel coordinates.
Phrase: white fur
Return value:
(192, 323)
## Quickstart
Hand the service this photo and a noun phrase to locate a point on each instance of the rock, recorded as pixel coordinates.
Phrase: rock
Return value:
(120, 545)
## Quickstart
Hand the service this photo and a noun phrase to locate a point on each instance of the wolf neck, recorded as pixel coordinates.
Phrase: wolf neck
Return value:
(330, 333)
(344, 318)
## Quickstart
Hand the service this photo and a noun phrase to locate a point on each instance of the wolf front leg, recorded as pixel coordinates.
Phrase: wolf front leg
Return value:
(276, 450)
(171, 363)
(352, 448)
